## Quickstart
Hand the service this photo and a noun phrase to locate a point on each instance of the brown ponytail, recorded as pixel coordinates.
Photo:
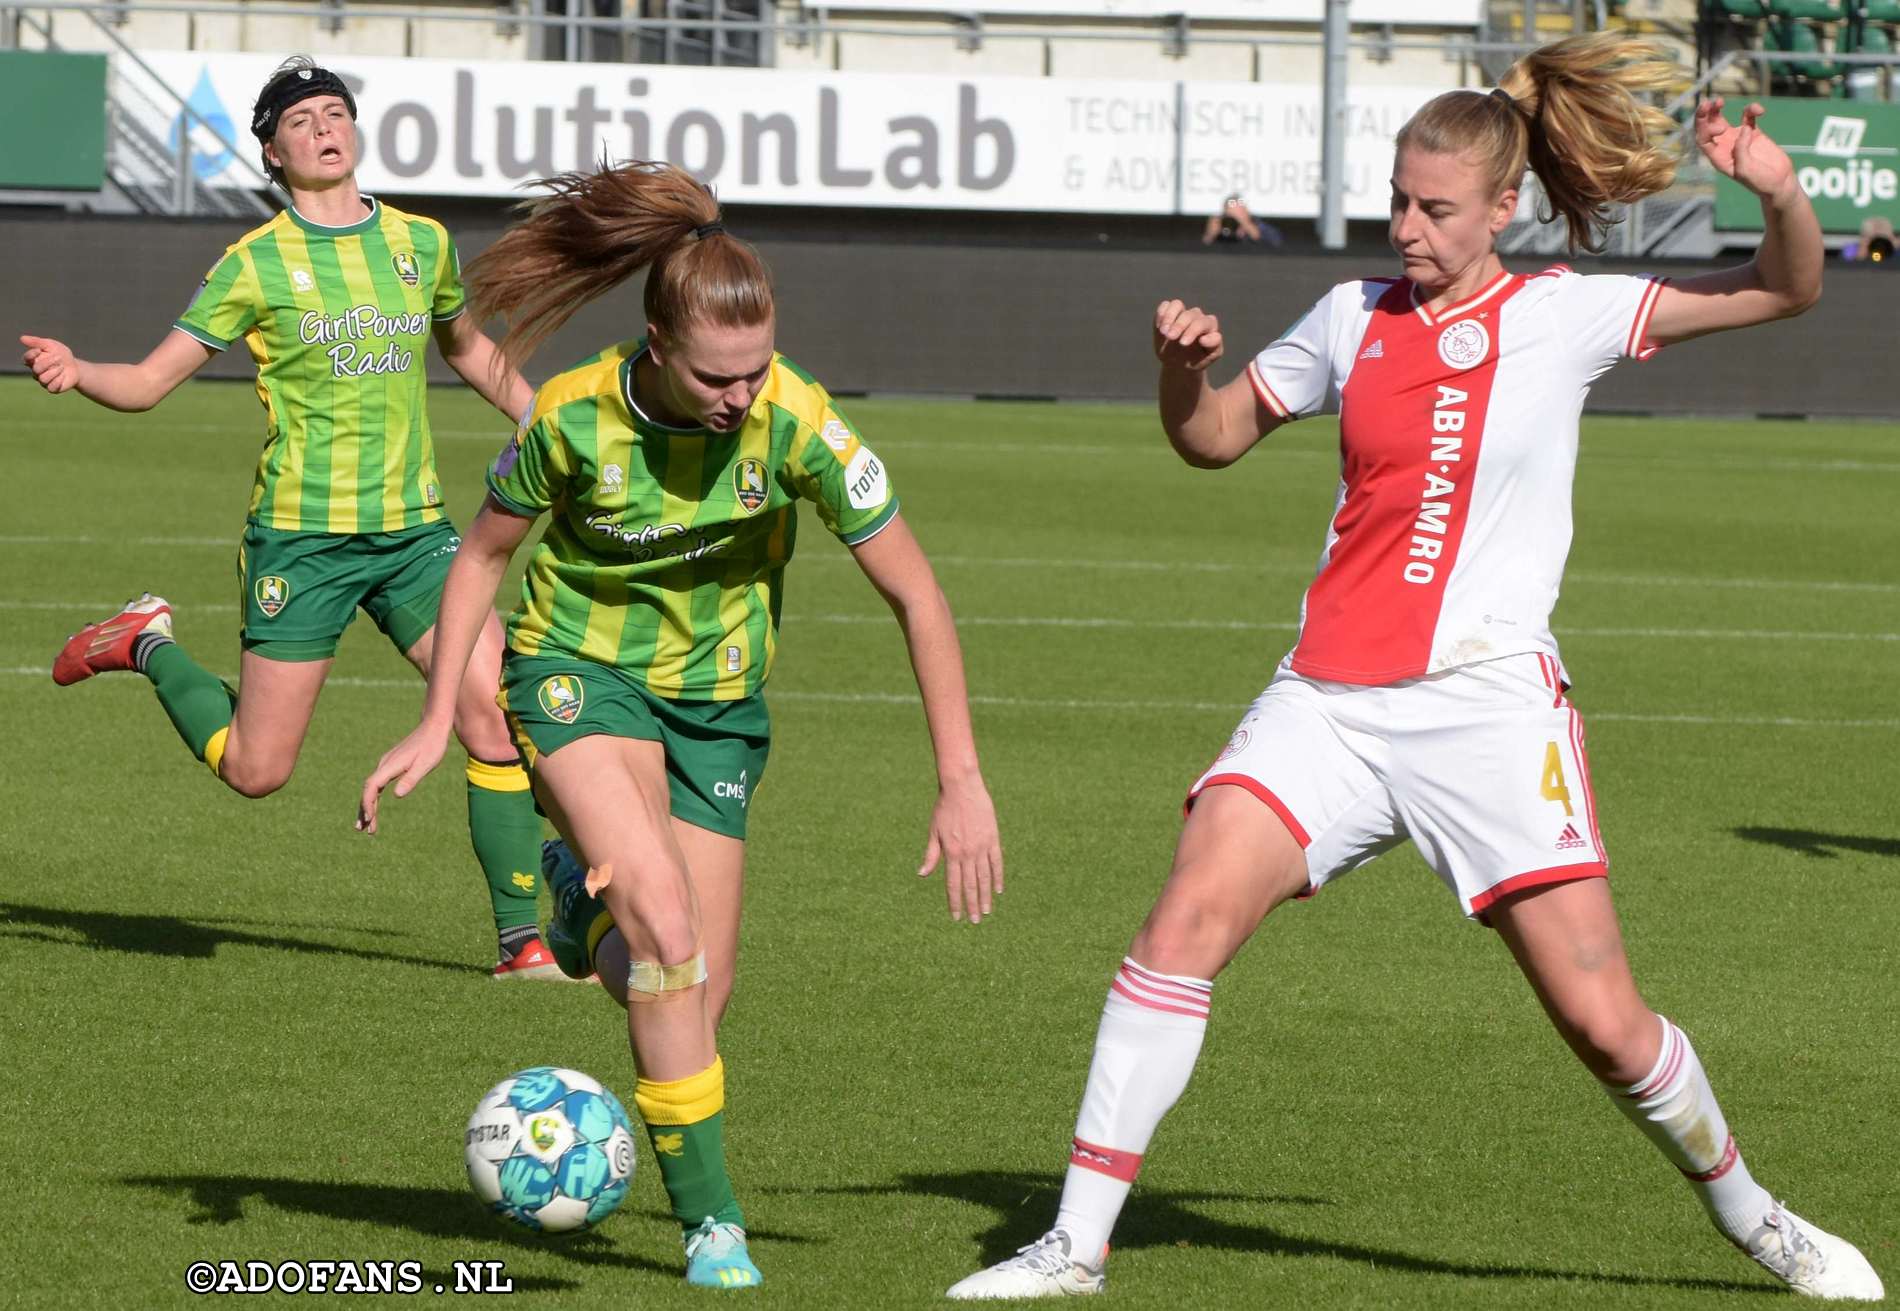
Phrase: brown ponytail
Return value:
(1571, 112)
(593, 231)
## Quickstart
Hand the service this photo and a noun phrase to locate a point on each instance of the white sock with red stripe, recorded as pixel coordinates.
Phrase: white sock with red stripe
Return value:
(1675, 1108)
(1152, 1025)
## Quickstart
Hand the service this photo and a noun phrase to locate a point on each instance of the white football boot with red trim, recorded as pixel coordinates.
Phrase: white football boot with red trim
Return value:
(106, 647)
(1811, 1261)
(1045, 1268)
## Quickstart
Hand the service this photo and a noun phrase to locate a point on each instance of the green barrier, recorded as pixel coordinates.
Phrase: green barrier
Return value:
(1846, 157)
(56, 106)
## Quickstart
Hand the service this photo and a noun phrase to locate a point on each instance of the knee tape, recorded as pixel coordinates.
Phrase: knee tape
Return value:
(650, 981)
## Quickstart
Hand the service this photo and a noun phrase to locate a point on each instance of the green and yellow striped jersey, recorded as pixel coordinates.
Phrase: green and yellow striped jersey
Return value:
(666, 552)
(338, 321)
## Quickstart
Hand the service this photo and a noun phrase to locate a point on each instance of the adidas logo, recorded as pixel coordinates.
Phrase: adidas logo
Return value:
(1376, 351)
(1570, 839)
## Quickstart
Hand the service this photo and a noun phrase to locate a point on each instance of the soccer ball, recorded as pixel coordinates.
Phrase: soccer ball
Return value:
(550, 1149)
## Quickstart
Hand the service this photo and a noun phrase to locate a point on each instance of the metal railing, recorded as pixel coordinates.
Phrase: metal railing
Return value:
(149, 173)
(962, 28)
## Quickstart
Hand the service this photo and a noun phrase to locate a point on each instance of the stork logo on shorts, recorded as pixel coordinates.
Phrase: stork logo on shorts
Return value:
(406, 268)
(273, 594)
(1237, 744)
(748, 484)
(1464, 344)
(561, 696)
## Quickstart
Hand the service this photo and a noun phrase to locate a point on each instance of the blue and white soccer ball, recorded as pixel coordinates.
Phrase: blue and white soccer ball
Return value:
(550, 1149)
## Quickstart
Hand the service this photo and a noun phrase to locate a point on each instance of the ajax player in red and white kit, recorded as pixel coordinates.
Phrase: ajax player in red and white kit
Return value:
(1425, 697)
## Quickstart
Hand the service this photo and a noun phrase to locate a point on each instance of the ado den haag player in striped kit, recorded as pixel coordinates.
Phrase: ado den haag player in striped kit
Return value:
(337, 299)
(670, 467)
(1425, 697)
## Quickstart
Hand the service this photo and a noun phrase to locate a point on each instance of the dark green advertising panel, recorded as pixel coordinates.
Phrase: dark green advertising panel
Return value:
(1846, 156)
(55, 106)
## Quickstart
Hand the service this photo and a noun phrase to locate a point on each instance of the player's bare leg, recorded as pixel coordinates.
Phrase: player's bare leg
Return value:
(502, 824)
(613, 806)
(1234, 863)
(717, 866)
(1566, 939)
(250, 738)
(275, 701)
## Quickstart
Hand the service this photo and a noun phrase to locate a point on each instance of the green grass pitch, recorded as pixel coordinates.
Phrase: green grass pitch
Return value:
(239, 1030)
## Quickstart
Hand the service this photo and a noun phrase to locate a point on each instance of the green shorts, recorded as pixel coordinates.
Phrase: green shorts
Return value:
(300, 590)
(715, 750)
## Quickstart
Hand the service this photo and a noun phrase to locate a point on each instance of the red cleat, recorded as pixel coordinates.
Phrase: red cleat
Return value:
(533, 961)
(106, 646)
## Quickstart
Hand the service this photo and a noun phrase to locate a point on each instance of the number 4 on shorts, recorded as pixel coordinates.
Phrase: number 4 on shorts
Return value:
(1554, 788)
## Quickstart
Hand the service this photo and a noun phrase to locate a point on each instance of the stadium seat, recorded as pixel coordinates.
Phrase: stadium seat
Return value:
(1866, 33)
(1822, 10)
(1801, 77)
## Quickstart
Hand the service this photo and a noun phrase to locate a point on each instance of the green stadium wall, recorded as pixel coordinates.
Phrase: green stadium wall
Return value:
(56, 104)
(935, 315)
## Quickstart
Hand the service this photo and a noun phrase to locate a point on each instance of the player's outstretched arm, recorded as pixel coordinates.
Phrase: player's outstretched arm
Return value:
(963, 824)
(1784, 278)
(1208, 428)
(474, 355)
(125, 387)
(468, 597)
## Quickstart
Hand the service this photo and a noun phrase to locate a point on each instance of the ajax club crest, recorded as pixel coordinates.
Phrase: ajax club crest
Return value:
(561, 696)
(273, 594)
(406, 268)
(748, 484)
(1464, 344)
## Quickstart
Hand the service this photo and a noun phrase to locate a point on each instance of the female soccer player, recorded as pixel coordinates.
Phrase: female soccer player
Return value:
(337, 298)
(1425, 697)
(672, 466)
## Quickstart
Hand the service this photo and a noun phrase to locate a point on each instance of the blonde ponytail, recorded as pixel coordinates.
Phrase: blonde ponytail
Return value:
(592, 231)
(1572, 112)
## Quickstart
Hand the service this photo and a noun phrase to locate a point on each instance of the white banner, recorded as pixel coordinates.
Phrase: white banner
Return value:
(446, 127)
(1418, 13)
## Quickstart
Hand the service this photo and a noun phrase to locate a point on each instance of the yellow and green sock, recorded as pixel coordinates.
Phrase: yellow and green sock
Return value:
(506, 834)
(200, 706)
(685, 1124)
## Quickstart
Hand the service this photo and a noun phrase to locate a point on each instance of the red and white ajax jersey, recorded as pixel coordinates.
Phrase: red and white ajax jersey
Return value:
(1458, 444)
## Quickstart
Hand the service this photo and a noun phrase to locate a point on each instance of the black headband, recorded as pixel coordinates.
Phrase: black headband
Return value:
(289, 87)
(705, 230)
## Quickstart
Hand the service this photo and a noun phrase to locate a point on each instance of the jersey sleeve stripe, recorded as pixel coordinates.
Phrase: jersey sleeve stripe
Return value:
(1639, 329)
(1264, 392)
(201, 335)
(508, 503)
(872, 529)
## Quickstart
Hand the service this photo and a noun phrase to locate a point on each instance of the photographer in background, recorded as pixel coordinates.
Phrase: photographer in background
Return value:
(1232, 225)
(1874, 245)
